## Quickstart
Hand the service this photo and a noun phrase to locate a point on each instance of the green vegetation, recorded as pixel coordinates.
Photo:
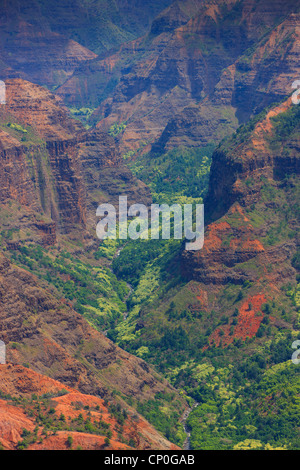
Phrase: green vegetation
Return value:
(162, 418)
(181, 175)
(49, 421)
(99, 25)
(134, 259)
(286, 126)
(82, 114)
(107, 249)
(17, 127)
(116, 129)
(94, 292)
(24, 134)
(248, 391)
(234, 408)
(100, 297)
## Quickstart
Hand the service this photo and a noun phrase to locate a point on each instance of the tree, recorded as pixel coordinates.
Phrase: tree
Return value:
(70, 441)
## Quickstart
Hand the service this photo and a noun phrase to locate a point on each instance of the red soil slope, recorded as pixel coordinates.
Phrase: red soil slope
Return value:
(57, 417)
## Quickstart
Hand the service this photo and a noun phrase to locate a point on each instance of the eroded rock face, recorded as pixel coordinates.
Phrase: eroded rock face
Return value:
(246, 175)
(46, 42)
(52, 165)
(40, 166)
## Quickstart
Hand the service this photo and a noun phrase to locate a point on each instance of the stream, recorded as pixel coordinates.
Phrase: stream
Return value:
(187, 443)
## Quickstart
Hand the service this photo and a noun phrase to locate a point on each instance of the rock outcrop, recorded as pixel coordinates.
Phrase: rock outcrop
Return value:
(52, 166)
(198, 78)
(31, 50)
(247, 198)
(45, 42)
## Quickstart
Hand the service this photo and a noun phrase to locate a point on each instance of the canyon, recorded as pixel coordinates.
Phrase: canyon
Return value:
(201, 71)
(123, 346)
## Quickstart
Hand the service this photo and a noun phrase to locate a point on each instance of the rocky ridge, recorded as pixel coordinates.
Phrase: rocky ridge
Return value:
(195, 83)
(244, 243)
(52, 165)
(26, 395)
